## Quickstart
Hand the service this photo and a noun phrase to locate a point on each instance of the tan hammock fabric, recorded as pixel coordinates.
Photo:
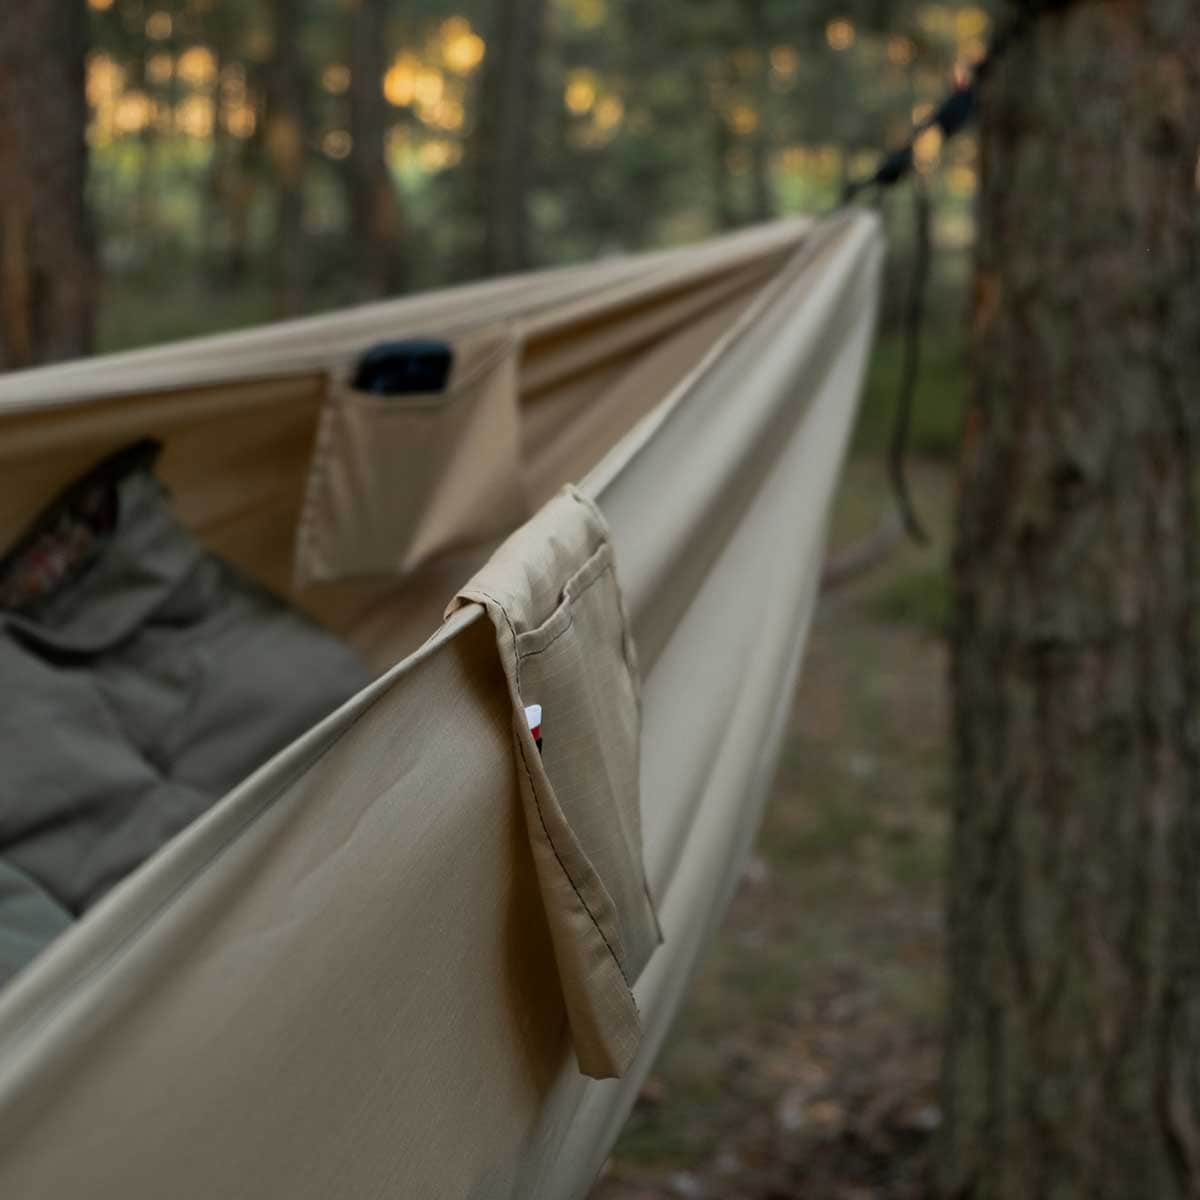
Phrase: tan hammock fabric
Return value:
(366, 971)
(552, 594)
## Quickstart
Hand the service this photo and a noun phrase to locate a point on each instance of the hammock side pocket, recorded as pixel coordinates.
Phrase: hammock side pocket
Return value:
(398, 480)
(551, 592)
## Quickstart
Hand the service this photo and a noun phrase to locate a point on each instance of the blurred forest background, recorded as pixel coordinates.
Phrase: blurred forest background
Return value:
(253, 160)
(247, 160)
(177, 167)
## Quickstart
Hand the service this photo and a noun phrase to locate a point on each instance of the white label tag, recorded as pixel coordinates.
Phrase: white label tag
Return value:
(533, 715)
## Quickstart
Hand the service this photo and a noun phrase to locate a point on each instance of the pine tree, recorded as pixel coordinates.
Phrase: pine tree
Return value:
(1073, 1044)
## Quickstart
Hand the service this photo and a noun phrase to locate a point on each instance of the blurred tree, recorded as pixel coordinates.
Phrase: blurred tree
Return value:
(249, 150)
(229, 186)
(149, 188)
(504, 142)
(725, 209)
(643, 189)
(375, 216)
(47, 264)
(287, 141)
(1073, 1052)
(762, 204)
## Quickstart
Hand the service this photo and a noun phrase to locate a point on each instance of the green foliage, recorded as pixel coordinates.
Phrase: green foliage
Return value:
(691, 117)
(125, 320)
(830, 957)
(939, 399)
(920, 598)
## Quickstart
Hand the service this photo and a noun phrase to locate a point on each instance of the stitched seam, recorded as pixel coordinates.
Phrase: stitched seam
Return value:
(511, 629)
(571, 622)
(542, 649)
(525, 763)
(588, 504)
(605, 570)
(563, 866)
(538, 804)
(601, 555)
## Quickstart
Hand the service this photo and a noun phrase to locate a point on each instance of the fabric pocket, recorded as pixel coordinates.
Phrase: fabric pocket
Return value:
(398, 480)
(552, 594)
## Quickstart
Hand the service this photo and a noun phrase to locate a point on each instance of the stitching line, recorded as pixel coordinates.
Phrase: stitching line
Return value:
(626, 640)
(605, 570)
(538, 803)
(542, 649)
(570, 624)
(511, 629)
(563, 866)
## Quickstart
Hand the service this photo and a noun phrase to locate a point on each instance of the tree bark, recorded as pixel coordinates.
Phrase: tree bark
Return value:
(48, 272)
(506, 133)
(374, 205)
(1073, 1045)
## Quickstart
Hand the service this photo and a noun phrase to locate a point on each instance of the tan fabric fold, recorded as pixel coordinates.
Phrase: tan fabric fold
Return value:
(360, 973)
(552, 594)
(398, 480)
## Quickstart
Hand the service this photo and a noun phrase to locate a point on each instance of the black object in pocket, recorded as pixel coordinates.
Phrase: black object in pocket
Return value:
(399, 479)
(404, 368)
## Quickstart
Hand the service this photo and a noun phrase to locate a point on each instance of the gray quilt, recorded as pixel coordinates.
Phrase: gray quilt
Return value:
(142, 678)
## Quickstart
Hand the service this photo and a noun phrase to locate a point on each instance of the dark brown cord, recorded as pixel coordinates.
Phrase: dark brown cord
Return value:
(910, 370)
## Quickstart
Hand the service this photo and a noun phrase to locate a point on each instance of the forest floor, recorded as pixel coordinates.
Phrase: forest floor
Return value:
(804, 1062)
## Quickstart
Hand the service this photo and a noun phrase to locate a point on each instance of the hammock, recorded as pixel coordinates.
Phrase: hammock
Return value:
(429, 950)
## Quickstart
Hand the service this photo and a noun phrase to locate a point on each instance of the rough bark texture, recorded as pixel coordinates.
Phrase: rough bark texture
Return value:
(505, 141)
(47, 260)
(374, 205)
(1073, 1050)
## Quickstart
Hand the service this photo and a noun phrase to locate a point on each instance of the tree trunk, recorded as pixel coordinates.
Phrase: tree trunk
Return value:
(149, 185)
(644, 175)
(48, 273)
(725, 213)
(287, 150)
(506, 133)
(1073, 1045)
(374, 206)
(215, 234)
